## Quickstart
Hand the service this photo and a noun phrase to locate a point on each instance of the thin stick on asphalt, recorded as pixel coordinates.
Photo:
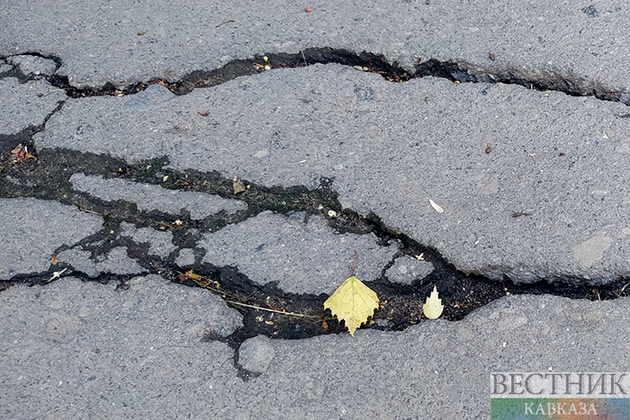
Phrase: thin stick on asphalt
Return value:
(223, 23)
(271, 310)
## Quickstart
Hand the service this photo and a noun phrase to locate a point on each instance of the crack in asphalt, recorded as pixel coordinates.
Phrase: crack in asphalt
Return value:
(458, 72)
(49, 178)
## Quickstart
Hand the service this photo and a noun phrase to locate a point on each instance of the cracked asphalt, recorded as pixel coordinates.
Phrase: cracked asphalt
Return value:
(174, 175)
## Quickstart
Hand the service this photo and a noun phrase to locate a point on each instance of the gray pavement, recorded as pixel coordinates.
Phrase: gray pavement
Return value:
(301, 257)
(115, 42)
(269, 182)
(142, 351)
(323, 125)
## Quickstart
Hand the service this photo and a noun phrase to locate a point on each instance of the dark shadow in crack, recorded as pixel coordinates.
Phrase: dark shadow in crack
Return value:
(459, 72)
(265, 308)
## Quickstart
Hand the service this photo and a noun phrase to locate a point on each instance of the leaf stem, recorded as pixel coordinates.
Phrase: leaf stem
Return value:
(356, 257)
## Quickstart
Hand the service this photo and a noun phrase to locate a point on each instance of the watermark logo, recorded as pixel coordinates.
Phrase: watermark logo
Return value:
(560, 395)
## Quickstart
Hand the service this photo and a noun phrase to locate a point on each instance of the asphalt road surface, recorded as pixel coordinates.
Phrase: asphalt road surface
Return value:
(182, 186)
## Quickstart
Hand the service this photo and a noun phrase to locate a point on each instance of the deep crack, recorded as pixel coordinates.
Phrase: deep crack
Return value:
(459, 72)
(48, 178)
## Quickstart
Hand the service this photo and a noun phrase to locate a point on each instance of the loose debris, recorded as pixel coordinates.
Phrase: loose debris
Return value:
(215, 286)
(20, 153)
(56, 275)
(436, 207)
(353, 302)
(238, 186)
(433, 307)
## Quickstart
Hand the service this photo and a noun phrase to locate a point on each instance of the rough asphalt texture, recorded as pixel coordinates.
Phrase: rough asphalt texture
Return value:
(434, 148)
(300, 257)
(140, 345)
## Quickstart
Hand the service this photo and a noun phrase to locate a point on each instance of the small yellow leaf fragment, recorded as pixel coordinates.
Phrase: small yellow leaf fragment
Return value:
(433, 307)
(238, 186)
(353, 302)
(436, 207)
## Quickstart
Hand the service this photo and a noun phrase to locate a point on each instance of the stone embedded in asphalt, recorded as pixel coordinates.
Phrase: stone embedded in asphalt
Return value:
(255, 354)
(33, 230)
(592, 250)
(549, 180)
(407, 269)
(153, 197)
(301, 256)
(26, 104)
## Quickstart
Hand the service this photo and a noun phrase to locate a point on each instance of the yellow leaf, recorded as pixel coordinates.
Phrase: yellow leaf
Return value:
(353, 302)
(433, 307)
